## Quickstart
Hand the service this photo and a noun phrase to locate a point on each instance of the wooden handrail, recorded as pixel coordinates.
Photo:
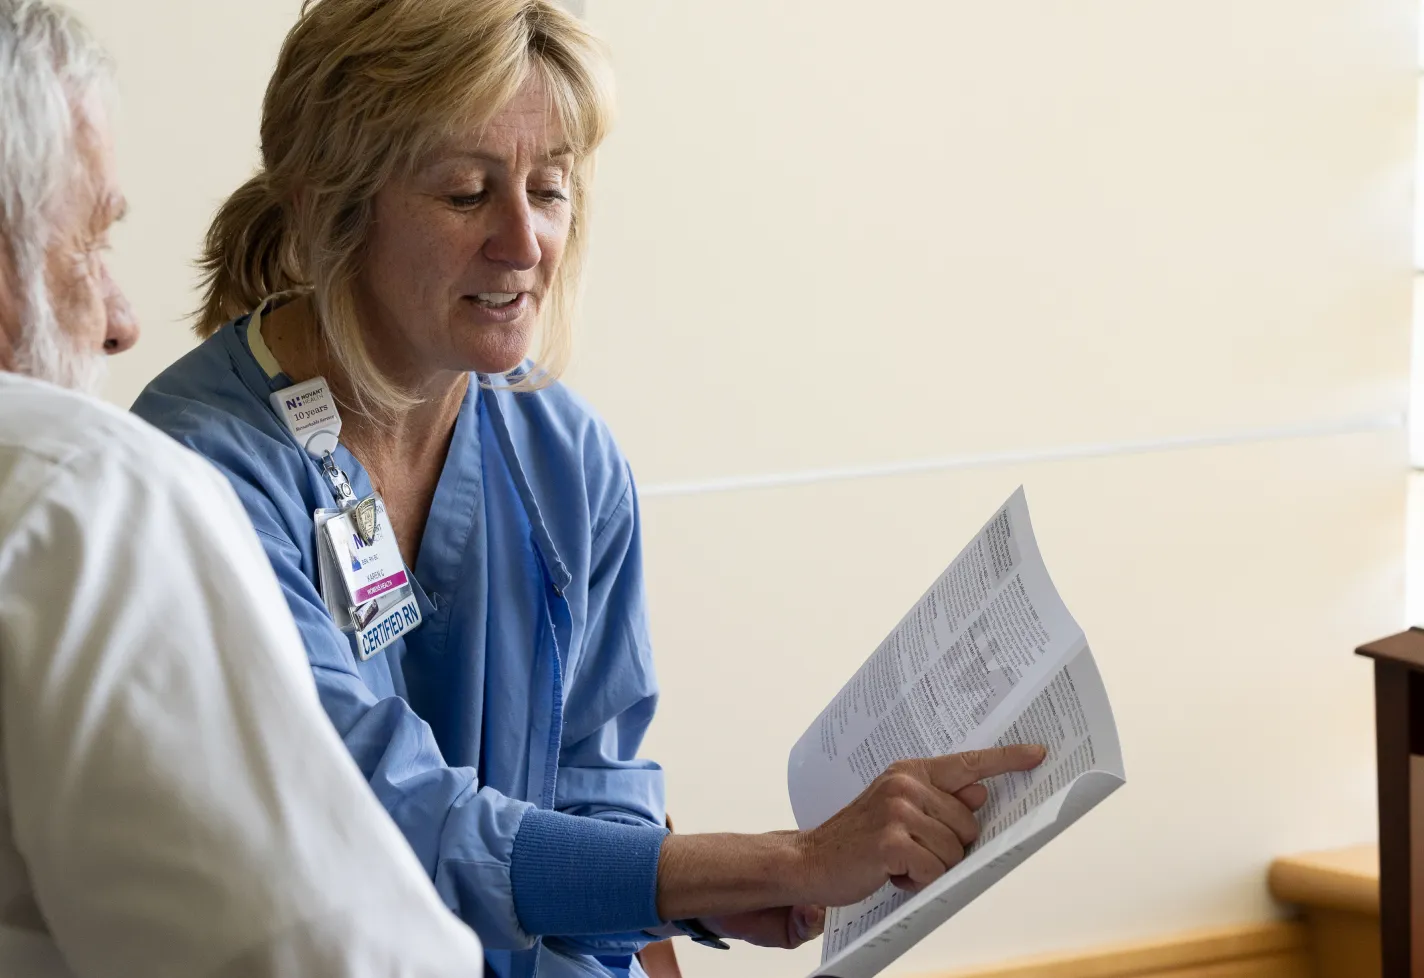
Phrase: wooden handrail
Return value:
(1341, 879)
(1338, 896)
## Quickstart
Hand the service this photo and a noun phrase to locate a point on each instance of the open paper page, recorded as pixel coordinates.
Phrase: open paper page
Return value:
(1073, 719)
(983, 658)
(980, 643)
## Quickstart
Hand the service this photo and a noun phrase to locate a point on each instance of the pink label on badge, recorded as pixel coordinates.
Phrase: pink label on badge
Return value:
(380, 587)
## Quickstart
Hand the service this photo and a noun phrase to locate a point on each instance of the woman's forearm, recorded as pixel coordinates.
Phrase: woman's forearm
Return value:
(719, 874)
(907, 827)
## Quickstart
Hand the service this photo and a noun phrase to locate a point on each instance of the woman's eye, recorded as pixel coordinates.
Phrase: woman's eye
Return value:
(550, 196)
(466, 201)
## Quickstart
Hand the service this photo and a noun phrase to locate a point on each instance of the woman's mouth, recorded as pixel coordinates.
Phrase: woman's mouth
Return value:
(499, 307)
(497, 300)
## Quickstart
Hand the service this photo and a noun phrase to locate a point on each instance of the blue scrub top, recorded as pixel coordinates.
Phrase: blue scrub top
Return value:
(501, 735)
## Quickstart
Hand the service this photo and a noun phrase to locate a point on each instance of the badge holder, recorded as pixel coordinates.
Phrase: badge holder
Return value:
(364, 581)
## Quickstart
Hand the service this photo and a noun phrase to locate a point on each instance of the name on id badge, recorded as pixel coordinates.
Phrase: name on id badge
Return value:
(364, 580)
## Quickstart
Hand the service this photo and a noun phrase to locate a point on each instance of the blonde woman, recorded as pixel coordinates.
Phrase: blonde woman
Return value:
(420, 217)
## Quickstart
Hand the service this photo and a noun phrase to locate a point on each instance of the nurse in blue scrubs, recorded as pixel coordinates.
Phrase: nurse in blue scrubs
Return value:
(418, 221)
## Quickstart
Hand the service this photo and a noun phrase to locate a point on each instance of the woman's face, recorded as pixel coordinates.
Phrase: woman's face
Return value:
(462, 253)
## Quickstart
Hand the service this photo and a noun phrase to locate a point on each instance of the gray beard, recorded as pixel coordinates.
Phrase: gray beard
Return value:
(48, 353)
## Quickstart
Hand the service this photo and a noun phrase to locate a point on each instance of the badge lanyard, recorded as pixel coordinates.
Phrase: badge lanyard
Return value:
(364, 581)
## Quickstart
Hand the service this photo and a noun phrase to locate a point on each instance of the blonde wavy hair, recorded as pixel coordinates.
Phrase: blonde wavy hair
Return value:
(363, 90)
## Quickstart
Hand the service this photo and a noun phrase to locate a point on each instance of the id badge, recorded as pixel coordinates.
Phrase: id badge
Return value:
(363, 573)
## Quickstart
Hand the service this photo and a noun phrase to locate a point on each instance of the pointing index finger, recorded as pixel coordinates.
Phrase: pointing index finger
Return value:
(954, 772)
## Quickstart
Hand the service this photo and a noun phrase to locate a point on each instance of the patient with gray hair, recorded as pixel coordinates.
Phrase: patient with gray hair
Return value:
(173, 800)
(63, 313)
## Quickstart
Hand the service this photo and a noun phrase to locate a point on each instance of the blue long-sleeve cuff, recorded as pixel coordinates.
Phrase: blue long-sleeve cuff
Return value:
(575, 875)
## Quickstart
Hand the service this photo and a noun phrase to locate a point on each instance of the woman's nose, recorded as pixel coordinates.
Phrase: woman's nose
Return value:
(514, 242)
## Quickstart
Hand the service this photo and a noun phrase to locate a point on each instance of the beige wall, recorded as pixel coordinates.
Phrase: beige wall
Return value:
(191, 75)
(863, 268)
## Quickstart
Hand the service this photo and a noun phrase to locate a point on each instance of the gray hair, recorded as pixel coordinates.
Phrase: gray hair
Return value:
(50, 64)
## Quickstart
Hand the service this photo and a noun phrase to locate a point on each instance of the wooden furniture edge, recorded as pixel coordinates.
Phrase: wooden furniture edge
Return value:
(1406, 648)
(1399, 752)
(1338, 879)
(1164, 955)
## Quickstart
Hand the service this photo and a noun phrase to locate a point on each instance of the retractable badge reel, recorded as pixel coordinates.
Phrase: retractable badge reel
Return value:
(364, 581)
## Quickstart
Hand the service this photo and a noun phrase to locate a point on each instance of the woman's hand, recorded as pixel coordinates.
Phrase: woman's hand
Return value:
(784, 927)
(909, 826)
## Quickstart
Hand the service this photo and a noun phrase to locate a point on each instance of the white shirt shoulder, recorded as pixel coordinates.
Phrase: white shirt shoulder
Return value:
(173, 800)
(47, 431)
